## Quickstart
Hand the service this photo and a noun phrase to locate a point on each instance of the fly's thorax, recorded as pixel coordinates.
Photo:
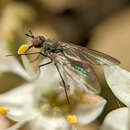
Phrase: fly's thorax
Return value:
(52, 46)
(53, 103)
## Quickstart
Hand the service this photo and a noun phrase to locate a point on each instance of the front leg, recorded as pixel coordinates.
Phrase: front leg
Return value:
(46, 63)
(29, 54)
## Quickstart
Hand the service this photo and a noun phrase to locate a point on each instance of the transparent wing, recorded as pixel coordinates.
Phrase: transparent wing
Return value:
(80, 73)
(88, 55)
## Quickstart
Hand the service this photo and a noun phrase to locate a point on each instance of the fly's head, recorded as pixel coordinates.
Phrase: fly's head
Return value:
(37, 41)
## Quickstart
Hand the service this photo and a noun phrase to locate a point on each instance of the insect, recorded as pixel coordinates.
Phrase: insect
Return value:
(72, 60)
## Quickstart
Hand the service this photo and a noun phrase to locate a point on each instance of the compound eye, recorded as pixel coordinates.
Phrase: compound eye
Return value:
(36, 43)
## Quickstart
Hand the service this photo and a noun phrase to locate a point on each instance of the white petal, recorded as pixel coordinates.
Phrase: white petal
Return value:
(129, 118)
(19, 101)
(118, 80)
(88, 112)
(116, 120)
(9, 63)
(28, 67)
(44, 123)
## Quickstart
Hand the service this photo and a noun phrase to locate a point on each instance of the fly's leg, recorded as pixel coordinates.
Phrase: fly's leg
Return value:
(63, 82)
(51, 60)
(35, 53)
(46, 63)
(29, 54)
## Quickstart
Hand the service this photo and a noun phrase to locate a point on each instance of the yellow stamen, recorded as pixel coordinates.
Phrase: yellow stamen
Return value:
(23, 48)
(3, 111)
(72, 119)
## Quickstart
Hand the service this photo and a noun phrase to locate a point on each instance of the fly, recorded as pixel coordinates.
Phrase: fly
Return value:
(72, 60)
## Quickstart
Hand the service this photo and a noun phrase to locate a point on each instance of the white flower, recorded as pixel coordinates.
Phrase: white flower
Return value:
(10, 64)
(117, 120)
(43, 106)
(118, 80)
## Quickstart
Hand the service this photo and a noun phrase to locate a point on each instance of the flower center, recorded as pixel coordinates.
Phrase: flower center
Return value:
(55, 104)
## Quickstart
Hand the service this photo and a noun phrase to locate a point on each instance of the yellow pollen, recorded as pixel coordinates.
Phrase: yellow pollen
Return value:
(23, 48)
(3, 111)
(72, 119)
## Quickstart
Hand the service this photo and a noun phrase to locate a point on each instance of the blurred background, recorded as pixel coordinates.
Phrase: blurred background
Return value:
(101, 25)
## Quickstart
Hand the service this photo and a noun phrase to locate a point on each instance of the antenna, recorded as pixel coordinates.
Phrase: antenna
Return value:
(30, 34)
